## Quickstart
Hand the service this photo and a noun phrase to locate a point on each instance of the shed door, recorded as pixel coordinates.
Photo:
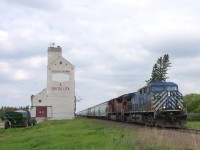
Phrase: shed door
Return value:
(41, 111)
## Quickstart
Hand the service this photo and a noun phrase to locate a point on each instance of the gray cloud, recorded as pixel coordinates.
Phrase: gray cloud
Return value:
(37, 4)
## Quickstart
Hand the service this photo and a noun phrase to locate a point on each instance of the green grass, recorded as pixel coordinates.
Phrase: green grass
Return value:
(78, 134)
(192, 124)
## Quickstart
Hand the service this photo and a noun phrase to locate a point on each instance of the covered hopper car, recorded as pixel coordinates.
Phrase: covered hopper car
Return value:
(158, 104)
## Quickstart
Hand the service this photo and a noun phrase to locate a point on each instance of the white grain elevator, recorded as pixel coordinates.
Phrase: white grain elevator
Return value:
(57, 100)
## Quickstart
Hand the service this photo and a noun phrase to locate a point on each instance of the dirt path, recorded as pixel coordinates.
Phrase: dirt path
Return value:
(1, 125)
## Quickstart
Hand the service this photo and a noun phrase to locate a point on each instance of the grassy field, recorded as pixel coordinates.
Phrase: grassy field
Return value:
(192, 124)
(78, 134)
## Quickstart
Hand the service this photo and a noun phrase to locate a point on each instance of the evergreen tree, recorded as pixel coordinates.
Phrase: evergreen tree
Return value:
(159, 71)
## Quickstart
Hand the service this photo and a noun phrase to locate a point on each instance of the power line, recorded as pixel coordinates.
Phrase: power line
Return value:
(78, 98)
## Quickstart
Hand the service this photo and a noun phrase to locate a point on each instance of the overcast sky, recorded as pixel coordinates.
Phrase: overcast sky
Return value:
(112, 43)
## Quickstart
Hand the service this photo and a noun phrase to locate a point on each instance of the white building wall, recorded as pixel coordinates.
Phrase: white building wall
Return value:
(40, 99)
(33, 111)
(59, 96)
(53, 54)
(61, 89)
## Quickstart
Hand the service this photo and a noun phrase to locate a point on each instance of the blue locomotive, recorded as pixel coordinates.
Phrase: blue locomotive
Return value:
(159, 104)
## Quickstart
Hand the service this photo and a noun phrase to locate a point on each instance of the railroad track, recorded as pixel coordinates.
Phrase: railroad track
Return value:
(188, 130)
(184, 130)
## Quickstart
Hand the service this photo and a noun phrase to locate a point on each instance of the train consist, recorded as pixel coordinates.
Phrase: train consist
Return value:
(157, 104)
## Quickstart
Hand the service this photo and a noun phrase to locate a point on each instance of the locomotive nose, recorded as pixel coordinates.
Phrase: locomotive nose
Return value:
(166, 100)
(171, 101)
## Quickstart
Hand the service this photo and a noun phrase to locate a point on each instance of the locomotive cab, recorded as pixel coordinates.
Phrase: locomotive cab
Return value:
(165, 96)
(167, 104)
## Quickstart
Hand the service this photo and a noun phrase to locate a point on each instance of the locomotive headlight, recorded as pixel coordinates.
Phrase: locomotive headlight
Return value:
(164, 107)
(179, 106)
(168, 93)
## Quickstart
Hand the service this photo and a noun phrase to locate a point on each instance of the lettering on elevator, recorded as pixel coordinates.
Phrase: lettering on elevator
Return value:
(59, 88)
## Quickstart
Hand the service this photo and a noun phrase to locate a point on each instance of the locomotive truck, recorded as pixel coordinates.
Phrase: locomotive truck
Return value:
(18, 118)
(157, 104)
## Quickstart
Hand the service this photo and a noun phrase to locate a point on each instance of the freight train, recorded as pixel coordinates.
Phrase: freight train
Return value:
(157, 104)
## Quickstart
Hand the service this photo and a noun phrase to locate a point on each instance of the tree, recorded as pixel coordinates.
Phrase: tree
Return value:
(160, 69)
(192, 102)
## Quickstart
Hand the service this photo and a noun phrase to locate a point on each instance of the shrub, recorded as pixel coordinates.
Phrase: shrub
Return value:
(193, 117)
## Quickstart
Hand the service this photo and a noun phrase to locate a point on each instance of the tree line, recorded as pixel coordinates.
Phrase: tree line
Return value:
(192, 103)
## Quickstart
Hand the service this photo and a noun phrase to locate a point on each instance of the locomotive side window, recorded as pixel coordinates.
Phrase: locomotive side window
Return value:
(140, 91)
